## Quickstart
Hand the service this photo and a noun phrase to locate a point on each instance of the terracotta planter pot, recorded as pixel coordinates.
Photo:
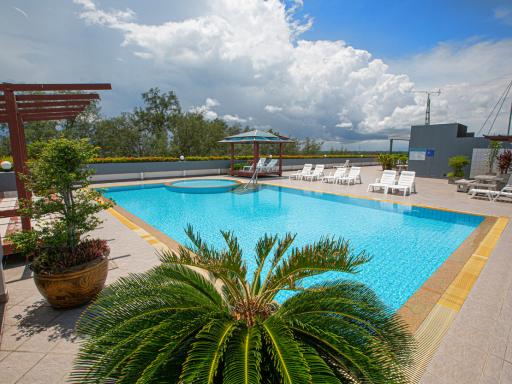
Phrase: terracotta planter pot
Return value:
(72, 289)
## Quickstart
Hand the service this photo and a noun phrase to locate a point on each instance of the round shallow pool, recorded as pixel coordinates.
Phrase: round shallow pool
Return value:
(203, 185)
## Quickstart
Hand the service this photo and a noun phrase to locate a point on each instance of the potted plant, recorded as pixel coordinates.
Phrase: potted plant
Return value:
(457, 163)
(175, 324)
(386, 160)
(69, 268)
(504, 161)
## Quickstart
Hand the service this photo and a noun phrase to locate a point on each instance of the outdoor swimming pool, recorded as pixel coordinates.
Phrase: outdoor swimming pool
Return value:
(407, 243)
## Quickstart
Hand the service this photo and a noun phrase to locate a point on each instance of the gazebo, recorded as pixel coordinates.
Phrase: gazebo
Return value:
(256, 138)
(20, 103)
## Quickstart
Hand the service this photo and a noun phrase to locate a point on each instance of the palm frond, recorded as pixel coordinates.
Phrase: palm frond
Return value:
(328, 254)
(350, 308)
(242, 359)
(319, 370)
(262, 250)
(206, 352)
(285, 352)
(282, 247)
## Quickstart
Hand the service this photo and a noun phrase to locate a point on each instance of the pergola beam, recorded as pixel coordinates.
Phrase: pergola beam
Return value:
(59, 96)
(62, 103)
(30, 111)
(54, 87)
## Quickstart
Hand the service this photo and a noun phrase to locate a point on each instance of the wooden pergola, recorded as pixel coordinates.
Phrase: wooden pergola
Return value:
(256, 138)
(20, 103)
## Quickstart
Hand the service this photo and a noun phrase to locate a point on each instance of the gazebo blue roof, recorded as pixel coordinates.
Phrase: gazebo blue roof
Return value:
(256, 136)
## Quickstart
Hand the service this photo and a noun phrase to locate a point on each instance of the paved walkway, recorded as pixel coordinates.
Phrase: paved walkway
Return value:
(38, 343)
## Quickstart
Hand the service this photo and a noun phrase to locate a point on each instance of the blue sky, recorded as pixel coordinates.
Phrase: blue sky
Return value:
(395, 28)
(341, 71)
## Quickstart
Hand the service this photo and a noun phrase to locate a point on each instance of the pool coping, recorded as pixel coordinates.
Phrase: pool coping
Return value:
(429, 311)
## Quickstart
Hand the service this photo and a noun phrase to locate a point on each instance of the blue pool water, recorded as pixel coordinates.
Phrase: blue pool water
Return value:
(407, 243)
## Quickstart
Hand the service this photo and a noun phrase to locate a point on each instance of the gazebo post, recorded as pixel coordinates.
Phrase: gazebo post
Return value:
(232, 163)
(18, 149)
(280, 159)
(256, 154)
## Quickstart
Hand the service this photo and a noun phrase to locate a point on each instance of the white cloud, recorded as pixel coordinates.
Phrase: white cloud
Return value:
(211, 103)
(205, 109)
(250, 56)
(504, 15)
(233, 119)
(272, 108)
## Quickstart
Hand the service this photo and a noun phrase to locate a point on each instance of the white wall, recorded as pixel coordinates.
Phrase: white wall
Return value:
(479, 162)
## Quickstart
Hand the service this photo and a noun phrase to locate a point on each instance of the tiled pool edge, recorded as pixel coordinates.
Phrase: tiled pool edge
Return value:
(429, 323)
(431, 331)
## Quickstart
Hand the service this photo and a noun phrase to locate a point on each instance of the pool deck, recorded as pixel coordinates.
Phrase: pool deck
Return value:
(475, 343)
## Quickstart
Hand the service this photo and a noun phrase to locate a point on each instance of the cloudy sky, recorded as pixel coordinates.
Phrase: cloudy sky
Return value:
(338, 70)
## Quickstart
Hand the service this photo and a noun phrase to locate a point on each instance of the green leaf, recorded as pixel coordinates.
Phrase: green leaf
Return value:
(206, 352)
(319, 370)
(243, 356)
(285, 352)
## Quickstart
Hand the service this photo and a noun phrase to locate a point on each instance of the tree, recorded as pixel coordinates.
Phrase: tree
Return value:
(193, 135)
(154, 121)
(174, 324)
(310, 146)
(117, 136)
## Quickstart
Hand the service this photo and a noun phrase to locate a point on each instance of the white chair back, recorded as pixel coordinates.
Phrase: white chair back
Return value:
(318, 169)
(354, 172)
(340, 172)
(388, 177)
(271, 164)
(306, 169)
(407, 178)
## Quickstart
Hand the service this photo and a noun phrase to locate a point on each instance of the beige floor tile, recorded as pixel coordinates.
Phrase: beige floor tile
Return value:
(506, 374)
(4, 354)
(14, 366)
(52, 368)
(493, 368)
(11, 339)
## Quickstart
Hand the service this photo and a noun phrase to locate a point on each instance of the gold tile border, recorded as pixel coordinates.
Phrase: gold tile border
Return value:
(434, 313)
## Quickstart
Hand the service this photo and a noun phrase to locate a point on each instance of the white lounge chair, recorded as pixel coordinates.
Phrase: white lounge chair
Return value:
(316, 174)
(505, 192)
(405, 182)
(336, 176)
(270, 167)
(492, 195)
(386, 181)
(259, 164)
(306, 170)
(354, 176)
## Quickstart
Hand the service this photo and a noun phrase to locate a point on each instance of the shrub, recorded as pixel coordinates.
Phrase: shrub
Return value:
(457, 163)
(99, 160)
(504, 161)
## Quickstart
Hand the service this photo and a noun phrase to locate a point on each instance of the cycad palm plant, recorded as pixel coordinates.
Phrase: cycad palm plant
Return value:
(209, 324)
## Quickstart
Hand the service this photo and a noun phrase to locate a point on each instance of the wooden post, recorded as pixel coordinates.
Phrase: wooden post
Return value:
(18, 149)
(280, 159)
(232, 164)
(256, 154)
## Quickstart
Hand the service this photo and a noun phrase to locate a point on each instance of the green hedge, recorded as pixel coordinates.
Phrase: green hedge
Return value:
(203, 158)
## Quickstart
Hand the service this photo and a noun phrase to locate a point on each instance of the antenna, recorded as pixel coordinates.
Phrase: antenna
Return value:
(427, 111)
